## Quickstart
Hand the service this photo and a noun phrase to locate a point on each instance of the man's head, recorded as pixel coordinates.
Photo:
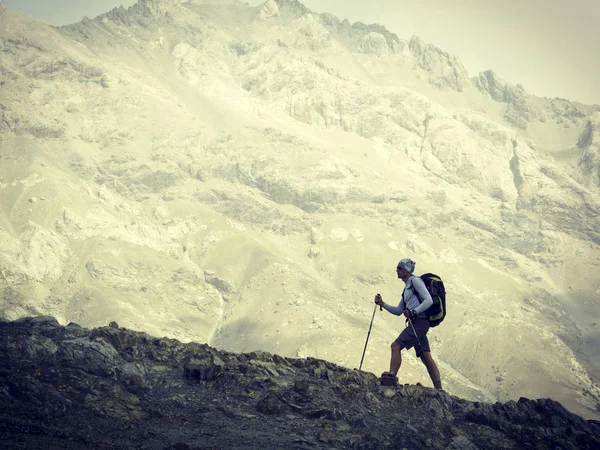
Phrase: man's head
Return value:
(405, 268)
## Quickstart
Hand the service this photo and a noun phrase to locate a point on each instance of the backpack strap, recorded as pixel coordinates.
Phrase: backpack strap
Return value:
(412, 288)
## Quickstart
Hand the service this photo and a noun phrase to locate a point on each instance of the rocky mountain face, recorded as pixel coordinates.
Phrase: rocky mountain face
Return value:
(108, 388)
(249, 177)
(589, 144)
(522, 108)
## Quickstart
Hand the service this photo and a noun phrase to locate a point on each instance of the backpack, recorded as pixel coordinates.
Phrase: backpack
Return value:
(436, 313)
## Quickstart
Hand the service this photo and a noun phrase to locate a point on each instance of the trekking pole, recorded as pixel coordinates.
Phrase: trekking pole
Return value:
(368, 334)
(416, 335)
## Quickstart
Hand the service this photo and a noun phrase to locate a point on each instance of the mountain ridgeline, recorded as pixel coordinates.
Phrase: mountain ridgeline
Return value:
(247, 177)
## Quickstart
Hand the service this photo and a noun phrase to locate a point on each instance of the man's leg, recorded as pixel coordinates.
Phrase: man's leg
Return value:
(396, 360)
(432, 368)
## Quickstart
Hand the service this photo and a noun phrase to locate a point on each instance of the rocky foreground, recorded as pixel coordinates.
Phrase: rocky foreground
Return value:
(71, 387)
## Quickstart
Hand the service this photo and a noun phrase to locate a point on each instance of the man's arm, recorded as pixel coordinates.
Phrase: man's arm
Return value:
(424, 294)
(396, 310)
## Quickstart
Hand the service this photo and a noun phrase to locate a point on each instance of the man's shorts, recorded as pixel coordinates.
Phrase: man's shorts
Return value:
(407, 338)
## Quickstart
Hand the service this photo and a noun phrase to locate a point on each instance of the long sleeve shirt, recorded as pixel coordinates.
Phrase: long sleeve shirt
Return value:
(410, 300)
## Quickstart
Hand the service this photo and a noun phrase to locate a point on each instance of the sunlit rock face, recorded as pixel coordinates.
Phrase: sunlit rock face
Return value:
(445, 70)
(249, 177)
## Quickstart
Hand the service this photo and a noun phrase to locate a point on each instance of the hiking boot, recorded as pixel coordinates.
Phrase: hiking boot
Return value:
(388, 379)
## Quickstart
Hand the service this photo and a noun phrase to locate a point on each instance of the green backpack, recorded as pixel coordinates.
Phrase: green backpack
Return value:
(436, 313)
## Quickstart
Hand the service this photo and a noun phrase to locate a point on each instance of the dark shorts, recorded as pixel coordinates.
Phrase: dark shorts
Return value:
(407, 338)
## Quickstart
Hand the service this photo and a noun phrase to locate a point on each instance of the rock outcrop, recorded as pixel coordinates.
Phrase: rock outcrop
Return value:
(107, 388)
(158, 7)
(445, 70)
(517, 112)
(589, 146)
(269, 10)
(523, 108)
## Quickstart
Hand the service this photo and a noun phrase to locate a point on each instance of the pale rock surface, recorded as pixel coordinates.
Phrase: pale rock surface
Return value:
(522, 108)
(445, 70)
(269, 10)
(373, 43)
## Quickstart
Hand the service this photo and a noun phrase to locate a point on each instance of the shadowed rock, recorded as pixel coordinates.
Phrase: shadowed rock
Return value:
(70, 387)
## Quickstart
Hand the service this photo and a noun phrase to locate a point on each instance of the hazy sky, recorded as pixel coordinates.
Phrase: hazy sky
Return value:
(551, 47)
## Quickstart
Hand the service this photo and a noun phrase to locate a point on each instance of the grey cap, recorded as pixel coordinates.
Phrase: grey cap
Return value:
(407, 264)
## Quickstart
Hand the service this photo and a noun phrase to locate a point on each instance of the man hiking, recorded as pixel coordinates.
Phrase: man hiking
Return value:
(414, 311)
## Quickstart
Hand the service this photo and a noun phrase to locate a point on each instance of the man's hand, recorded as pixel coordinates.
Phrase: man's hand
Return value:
(410, 314)
(378, 300)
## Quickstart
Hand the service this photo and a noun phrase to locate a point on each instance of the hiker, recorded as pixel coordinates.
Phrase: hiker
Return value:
(414, 311)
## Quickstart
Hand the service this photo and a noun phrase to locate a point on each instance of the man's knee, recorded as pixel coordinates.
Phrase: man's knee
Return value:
(426, 358)
(396, 347)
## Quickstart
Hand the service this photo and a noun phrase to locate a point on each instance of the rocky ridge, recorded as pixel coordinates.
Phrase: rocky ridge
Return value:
(445, 71)
(523, 108)
(108, 388)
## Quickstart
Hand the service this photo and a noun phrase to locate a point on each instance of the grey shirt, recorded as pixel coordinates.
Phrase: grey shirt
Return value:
(410, 300)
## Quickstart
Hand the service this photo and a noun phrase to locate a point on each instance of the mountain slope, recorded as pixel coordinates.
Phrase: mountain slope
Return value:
(249, 177)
